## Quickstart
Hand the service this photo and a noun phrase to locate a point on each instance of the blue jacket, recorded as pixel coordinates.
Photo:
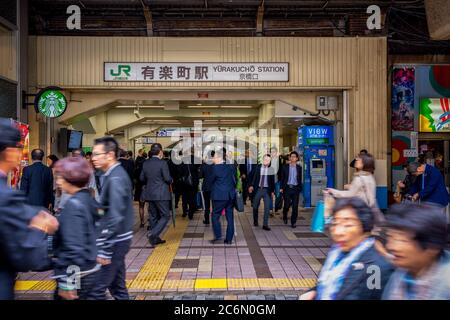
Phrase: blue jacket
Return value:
(206, 174)
(37, 183)
(21, 248)
(437, 286)
(355, 286)
(223, 181)
(434, 187)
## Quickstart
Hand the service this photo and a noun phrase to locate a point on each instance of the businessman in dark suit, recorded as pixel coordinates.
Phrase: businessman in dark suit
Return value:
(291, 186)
(126, 163)
(246, 170)
(206, 174)
(37, 181)
(189, 186)
(263, 186)
(223, 195)
(156, 177)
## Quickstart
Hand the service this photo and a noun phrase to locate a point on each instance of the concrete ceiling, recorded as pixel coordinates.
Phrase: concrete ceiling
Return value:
(404, 22)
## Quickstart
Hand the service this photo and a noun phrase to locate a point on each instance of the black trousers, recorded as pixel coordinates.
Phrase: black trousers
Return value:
(245, 193)
(189, 198)
(158, 216)
(112, 276)
(291, 198)
(87, 284)
(207, 199)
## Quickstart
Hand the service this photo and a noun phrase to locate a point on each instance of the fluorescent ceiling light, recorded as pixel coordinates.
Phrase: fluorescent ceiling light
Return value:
(203, 107)
(140, 107)
(236, 107)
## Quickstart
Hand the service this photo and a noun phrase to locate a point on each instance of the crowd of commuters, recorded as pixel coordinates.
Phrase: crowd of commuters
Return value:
(79, 212)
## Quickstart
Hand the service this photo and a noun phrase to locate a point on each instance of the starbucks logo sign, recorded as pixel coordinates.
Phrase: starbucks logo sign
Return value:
(50, 102)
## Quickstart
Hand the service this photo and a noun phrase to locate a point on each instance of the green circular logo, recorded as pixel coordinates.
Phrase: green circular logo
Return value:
(51, 103)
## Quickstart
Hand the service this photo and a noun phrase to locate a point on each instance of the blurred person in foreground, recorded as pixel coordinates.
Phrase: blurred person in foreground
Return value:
(117, 223)
(416, 238)
(23, 228)
(75, 242)
(353, 269)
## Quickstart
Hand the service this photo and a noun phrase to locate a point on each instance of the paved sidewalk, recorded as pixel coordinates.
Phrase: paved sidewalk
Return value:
(266, 265)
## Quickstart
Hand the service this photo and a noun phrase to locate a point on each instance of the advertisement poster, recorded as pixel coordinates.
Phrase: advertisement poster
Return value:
(24, 161)
(434, 115)
(403, 99)
(404, 150)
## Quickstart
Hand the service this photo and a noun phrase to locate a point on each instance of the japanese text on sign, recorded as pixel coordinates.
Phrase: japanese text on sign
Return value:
(117, 71)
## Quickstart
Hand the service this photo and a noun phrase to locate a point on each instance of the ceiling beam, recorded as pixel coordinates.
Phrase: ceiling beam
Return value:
(260, 19)
(148, 19)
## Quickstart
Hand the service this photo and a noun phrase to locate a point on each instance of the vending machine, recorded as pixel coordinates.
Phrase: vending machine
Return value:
(316, 144)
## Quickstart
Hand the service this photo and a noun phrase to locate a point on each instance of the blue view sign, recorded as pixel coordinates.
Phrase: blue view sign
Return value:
(317, 135)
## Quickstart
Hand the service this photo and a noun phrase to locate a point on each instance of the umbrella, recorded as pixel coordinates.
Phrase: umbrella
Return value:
(174, 210)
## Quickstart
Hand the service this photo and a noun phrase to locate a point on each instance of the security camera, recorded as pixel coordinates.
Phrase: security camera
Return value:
(137, 113)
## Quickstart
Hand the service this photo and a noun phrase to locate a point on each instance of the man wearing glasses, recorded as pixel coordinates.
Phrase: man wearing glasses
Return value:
(117, 223)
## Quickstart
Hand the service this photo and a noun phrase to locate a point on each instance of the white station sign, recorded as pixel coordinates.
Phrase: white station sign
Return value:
(196, 72)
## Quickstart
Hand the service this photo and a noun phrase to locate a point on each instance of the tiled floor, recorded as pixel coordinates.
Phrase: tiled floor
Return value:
(279, 263)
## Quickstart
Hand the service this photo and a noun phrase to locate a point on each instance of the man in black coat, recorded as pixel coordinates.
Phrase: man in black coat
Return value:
(156, 177)
(206, 174)
(126, 164)
(263, 186)
(37, 181)
(291, 186)
(23, 228)
(247, 170)
(190, 178)
(138, 185)
(116, 225)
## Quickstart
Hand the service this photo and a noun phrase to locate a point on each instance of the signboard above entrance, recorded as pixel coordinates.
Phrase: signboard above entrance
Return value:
(206, 72)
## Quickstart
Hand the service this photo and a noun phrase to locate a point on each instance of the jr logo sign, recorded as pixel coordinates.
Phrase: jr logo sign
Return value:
(122, 69)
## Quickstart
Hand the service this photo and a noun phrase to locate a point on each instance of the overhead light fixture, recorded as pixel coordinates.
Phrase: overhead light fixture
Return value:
(203, 107)
(236, 107)
(141, 107)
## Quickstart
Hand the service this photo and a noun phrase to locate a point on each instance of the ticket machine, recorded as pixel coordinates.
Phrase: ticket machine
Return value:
(316, 144)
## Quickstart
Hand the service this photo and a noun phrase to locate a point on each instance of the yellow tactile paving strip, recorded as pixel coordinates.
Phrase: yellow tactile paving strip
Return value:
(154, 272)
(152, 276)
(199, 284)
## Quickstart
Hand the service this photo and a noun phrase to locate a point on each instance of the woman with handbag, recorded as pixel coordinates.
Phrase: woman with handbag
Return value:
(363, 186)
